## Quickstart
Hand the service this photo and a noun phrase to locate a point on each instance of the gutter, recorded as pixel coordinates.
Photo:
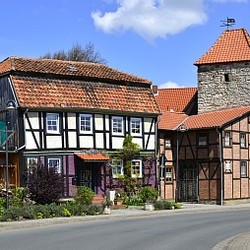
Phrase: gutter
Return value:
(158, 187)
(219, 131)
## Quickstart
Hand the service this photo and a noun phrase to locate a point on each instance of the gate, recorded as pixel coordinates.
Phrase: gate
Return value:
(188, 182)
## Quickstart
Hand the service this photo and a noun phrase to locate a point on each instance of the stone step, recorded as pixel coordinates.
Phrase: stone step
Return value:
(99, 200)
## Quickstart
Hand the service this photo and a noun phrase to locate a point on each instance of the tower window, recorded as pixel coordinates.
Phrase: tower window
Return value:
(227, 77)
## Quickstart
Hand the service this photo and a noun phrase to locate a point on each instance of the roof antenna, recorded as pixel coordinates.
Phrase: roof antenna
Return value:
(228, 23)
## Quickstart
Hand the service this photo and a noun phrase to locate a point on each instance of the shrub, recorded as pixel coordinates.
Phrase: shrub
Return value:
(75, 209)
(45, 184)
(13, 213)
(18, 197)
(134, 201)
(84, 195)
(164, 204)
(28, 212)
(148, 194)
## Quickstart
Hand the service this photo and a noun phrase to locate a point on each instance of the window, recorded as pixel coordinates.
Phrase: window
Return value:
(32, 162)
(242, 140)
(117, 125)
(135, 126)
(52, 123)
(202, 140)
(86, 123)
(243, 168)
(227, 139)
(117, 168)
(56, 163)
(167, 143)
(227, 77)
(136, 169)
(168, 175)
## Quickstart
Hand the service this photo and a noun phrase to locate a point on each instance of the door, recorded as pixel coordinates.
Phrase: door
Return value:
(188, 182)
(86, 178)
(89, 175)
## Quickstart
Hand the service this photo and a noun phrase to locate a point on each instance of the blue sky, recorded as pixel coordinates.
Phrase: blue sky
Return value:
(155, 39)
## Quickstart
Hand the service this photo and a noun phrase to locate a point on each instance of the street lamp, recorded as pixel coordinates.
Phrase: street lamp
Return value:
(182, 128)
(10, 106)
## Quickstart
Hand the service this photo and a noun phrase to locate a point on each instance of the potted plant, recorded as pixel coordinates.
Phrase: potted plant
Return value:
(118, 198)
(148, 195)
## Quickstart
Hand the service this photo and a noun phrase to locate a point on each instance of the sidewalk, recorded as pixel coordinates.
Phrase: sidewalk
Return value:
(241, 241)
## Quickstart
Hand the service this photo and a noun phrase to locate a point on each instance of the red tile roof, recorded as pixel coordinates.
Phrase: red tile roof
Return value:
(93, 157)
(216, 118)
(171, 120)
(47, 83)
(231, 46)
(176, 99)
(44, 92)
(207, 120)
(67, 68)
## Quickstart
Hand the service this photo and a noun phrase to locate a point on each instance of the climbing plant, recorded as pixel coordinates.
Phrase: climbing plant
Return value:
(128, 152)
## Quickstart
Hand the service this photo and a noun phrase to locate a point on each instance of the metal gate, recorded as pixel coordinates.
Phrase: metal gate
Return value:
(188, 183)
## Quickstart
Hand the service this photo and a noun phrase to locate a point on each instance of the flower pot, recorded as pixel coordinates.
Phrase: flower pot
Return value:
(149, 207)
(118, 201)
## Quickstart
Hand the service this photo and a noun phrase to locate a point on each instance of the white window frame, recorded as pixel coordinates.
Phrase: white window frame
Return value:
(117, 123)
(58, 166)
(56, 123)
(31, 162)
(243, 169)
(167, 143)
(243, 140)
(83, 123)
(117, 168)
(169, 174)
(134, 123)
(136, 163)
(227, 139)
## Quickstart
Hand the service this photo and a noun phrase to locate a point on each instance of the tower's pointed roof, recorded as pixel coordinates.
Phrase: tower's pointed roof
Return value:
(231, 46)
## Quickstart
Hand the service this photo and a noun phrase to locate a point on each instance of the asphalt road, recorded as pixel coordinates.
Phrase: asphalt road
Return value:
(177, 231)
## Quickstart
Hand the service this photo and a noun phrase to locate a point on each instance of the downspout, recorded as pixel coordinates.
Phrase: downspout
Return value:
(221, 168)
(157, 181)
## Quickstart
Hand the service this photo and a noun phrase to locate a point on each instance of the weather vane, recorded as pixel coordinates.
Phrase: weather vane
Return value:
(228, 23)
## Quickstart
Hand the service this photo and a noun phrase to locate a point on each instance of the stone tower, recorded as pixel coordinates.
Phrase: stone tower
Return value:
(224, 72)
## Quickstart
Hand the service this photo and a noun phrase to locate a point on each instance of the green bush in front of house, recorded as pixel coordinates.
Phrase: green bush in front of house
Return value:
(52, 210)
(165, 204)
(148, 194)
(21, 207)
(84, 195)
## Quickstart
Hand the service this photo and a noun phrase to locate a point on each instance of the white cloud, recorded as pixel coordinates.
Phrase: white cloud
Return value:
(170, 84)
(151, 19)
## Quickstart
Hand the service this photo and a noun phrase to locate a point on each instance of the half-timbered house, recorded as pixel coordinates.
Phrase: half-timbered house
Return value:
(205, 156)
(75, 116)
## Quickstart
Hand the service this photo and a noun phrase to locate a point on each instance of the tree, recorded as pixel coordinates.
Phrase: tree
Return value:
(45, 184)
(77, 53)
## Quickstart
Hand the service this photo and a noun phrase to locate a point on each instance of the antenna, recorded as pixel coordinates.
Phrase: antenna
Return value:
(228, 23)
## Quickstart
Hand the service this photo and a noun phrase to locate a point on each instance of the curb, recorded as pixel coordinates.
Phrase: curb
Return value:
(239, 241)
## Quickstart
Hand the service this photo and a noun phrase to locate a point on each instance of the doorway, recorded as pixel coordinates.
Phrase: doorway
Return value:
(88, 175)
(188, 182)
